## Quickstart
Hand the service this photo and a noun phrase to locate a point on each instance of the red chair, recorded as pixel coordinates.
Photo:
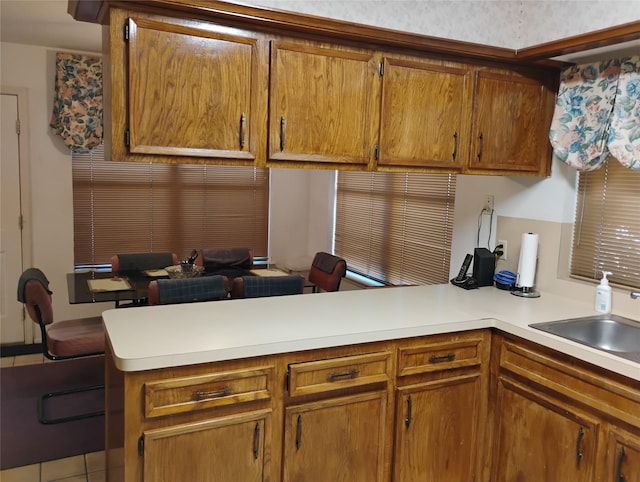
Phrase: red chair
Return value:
(327, 272)
(61, 340)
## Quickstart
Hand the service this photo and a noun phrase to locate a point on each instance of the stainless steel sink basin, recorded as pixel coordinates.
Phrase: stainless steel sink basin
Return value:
(611, 333)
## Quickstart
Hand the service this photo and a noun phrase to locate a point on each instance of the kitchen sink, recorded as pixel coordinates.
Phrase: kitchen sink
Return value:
(610, 333)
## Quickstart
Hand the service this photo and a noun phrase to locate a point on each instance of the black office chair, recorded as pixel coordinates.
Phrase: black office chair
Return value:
(61, 340)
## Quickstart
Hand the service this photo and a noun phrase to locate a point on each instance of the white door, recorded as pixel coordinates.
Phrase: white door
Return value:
(13, 328)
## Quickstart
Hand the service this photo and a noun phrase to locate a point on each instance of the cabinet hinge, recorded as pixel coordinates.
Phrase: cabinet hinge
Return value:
(125, 31)
(381, 68)
(376, 152)
(127, 138)
(141, 446)
(286, 381)
(21, 222)
(17, 126)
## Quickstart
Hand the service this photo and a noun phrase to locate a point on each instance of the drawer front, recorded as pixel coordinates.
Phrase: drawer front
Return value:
(439, 356)
(198, 392)
(336, 373)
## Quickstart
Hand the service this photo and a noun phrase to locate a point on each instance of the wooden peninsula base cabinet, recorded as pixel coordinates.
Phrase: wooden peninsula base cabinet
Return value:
(461, 407)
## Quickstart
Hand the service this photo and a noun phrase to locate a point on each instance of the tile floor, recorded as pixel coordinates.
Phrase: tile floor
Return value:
(81, 468)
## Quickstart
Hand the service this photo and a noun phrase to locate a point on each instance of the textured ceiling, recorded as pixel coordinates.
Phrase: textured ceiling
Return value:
(47, 23)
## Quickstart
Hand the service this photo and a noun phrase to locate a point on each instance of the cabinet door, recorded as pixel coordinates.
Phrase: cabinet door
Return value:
(227, 449)
(321, 104)
(511, 120)
(623, 458)
(339, 440)
(424, 119)
(540, 438)
(437, 430)
(191, 91)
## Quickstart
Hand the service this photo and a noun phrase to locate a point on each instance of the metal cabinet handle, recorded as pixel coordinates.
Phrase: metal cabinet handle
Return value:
(299, 433)
(455, 146)
(407, 421)
(243, 128)
(481, 137)
(199, 395)
(442, 358)
(619, 475)
(283, 126)
(578, 444)
(351, 374)
(256, 441)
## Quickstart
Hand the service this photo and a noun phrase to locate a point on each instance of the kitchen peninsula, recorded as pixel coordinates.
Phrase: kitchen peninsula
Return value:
(370, 383)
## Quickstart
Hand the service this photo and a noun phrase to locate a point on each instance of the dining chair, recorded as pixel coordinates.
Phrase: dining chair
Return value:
(142, 261)
(259, 286)
(188, 290)
(62, 340)
(137, 263)
(327, 272)
(229, 262)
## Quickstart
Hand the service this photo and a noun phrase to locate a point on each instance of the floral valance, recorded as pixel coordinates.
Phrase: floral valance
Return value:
(77, 105)
(597, 114)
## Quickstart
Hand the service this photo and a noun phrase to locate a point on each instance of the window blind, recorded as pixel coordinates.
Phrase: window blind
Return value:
(607, 227)
(129, 207)
(396, 228)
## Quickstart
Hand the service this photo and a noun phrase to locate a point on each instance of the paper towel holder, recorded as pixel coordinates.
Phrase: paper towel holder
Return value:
(526, 292)
(528, 261)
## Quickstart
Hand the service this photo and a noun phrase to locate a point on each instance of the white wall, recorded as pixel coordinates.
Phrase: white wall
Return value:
(51, 218)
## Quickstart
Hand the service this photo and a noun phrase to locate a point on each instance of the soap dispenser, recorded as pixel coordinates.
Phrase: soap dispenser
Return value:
(603, 294)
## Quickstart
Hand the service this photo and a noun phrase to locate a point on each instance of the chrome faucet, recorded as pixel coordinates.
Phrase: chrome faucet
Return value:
(635, 294)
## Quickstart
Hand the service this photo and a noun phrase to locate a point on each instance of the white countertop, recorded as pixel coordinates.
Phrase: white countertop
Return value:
(152, 337)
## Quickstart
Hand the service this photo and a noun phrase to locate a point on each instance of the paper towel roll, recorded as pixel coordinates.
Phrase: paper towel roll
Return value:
(528, 258)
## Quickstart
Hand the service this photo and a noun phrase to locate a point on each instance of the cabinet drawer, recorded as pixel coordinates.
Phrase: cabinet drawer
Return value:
(439, 356)
(336, 373)
(186, 394)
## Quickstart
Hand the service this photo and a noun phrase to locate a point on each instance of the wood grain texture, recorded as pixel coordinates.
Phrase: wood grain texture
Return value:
(541, 438)
(511, 119)
(424, 114)
(507, 409)
(436, 435)
(184, 92)
(341, 439)
(321, 103)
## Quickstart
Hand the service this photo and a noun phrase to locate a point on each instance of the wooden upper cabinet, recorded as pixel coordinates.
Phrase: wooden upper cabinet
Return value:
(187, 89)
(321, 104)
(511, 119)
(424, 119)
(191, 90)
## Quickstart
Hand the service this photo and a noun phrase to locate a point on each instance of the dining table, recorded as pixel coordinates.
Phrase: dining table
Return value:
(131, 287)
(94, 286)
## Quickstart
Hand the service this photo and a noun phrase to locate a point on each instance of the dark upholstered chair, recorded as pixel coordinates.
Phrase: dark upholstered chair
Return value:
(61, 340)
(229, 262)
(142, 261)
(258, 286)
(188, 290)
(327, 272)
(138, 262)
